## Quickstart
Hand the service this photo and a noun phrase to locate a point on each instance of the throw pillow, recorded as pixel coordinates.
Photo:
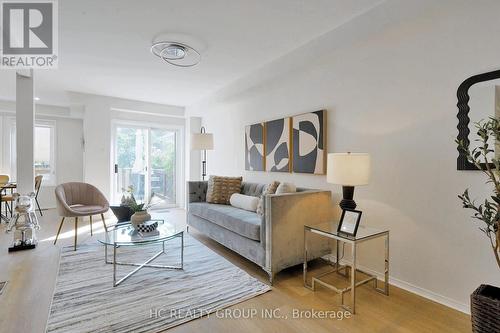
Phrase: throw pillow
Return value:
(220, 189)
(246, 202)
(270, 189)
(286, 188)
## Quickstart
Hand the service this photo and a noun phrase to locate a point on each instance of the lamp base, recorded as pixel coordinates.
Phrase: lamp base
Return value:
(347, 202)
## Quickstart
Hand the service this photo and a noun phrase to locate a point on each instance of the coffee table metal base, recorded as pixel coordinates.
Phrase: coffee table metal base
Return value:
(114, 262)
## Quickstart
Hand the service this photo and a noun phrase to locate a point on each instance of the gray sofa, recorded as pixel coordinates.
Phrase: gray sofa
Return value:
(274, 241)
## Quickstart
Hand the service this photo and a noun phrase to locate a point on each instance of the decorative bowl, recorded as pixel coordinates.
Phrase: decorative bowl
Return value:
(148, 226)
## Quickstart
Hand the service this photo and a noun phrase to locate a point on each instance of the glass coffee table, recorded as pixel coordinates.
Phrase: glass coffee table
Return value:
(125, 235)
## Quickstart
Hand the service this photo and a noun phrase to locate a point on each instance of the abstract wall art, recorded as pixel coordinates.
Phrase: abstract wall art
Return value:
(254, 147)
(277, 145)
(309, 143)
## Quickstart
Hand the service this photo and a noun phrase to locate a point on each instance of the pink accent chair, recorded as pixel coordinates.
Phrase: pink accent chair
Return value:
(79, 200)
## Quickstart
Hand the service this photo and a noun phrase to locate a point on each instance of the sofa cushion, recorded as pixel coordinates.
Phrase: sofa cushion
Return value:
(286, 188)
(246, 202)
(242, 222)
(253, 189)
(270, 189)
(220, 189)
(84, 210)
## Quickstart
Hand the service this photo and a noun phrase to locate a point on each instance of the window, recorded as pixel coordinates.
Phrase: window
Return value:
(44, 151)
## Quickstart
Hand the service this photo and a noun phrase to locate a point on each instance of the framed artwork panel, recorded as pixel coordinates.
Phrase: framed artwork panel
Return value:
(278, 145)
(254, 147)
(309, 143)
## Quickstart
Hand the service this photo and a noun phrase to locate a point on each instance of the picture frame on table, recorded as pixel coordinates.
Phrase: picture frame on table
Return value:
(349, 222)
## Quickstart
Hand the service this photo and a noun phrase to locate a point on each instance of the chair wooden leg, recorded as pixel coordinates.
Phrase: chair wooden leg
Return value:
(104, 223)
(76, 230)
(59, 230)
(91, 225)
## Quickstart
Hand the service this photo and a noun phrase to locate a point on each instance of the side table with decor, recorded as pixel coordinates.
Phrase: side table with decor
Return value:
(331, 230)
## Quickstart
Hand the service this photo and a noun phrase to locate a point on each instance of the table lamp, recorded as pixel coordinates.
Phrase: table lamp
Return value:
(202, 141)
(349, 170)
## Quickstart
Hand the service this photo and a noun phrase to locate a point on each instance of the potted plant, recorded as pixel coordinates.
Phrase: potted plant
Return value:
(140, 210)
(123, 212)
(140, 215)
(127, 196)
(485, 300)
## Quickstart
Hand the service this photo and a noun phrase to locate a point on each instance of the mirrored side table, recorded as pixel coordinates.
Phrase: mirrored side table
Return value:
(329, 231)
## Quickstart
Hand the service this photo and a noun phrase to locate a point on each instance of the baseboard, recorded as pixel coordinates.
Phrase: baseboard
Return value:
(451, 303)
(429, 295)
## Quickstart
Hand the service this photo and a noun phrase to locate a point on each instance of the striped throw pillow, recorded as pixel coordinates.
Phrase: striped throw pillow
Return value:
(220, 189)
(270, 189)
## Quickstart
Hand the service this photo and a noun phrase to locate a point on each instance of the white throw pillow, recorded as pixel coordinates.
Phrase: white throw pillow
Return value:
(246, 202)
(286, 188)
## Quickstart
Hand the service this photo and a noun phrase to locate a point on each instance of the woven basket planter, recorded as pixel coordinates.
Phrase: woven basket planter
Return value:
(485, 309)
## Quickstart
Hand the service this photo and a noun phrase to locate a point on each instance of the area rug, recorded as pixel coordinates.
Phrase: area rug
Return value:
(153, 299)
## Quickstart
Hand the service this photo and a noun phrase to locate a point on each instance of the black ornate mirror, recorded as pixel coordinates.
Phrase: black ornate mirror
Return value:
(478, 98)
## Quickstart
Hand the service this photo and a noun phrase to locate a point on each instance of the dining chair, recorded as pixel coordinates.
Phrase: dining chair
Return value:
(78, 200)
(38, 184)
(5, 199)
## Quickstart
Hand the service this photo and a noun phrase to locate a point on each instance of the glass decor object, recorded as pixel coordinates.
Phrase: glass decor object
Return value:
(23, 223)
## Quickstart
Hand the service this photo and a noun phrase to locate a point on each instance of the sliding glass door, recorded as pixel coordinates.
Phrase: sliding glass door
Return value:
(163, 173)
(131, 161)
(146, 160)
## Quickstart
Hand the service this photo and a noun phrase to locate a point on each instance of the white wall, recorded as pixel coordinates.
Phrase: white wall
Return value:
(69, 152)
(388, 80)
(69, 157)
(89, 120)
(193, 159)
(99, 113)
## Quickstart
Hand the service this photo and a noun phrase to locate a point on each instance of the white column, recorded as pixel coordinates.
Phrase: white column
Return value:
(25, 131)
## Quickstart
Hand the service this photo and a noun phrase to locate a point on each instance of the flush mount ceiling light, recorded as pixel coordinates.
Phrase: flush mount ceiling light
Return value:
(177, 54)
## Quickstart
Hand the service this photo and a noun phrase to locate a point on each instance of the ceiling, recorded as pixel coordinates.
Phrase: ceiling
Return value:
(104, 45)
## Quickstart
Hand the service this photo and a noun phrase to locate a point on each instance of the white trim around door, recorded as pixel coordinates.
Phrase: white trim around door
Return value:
(148, 127)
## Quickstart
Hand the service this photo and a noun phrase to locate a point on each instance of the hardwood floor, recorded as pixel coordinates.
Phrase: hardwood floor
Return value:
(25, 303)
